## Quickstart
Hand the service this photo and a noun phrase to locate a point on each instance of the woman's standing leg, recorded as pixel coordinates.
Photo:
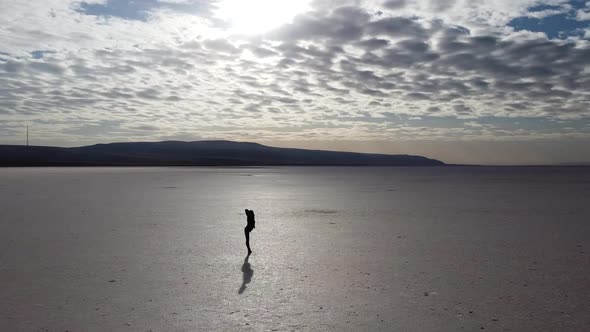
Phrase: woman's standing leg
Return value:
(247, 232)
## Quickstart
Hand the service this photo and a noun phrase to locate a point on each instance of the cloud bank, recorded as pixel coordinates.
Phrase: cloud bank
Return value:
(89, 71)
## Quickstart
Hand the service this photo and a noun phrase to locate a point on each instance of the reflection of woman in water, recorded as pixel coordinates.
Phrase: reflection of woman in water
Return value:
(249, 228)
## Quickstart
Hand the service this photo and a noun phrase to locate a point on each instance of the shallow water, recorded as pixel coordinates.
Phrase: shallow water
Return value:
(335, 248)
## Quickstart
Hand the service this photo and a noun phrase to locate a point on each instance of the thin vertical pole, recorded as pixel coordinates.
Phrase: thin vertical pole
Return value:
(27, 135)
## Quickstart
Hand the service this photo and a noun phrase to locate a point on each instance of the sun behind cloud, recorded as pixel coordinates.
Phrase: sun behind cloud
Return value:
(258, 16)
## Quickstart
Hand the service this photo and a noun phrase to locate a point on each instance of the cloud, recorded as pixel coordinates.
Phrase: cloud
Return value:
(221, 45)
(397, 27)
(342, 24)
(339, 70)
(141, 10)
(394, 4)
(583, 14)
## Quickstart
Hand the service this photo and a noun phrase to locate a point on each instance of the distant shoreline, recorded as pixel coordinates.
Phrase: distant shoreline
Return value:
(198, 153)
(293, 165)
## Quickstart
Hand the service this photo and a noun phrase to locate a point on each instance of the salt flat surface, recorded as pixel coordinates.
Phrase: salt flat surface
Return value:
(391, 249)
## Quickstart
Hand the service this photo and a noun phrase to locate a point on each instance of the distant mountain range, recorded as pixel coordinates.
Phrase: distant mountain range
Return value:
(199, 153)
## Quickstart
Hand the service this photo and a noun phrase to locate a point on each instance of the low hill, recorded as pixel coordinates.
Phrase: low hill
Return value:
(199, 153)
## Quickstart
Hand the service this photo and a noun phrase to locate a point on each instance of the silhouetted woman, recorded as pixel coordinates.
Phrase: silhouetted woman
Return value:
(249, 228)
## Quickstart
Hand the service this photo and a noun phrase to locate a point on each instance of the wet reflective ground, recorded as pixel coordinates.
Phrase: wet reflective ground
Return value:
(412, 249)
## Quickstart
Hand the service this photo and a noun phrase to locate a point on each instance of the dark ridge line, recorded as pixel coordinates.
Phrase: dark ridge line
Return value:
(196, 153)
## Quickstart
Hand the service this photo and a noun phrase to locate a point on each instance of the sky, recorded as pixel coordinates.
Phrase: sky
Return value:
(463, 81)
